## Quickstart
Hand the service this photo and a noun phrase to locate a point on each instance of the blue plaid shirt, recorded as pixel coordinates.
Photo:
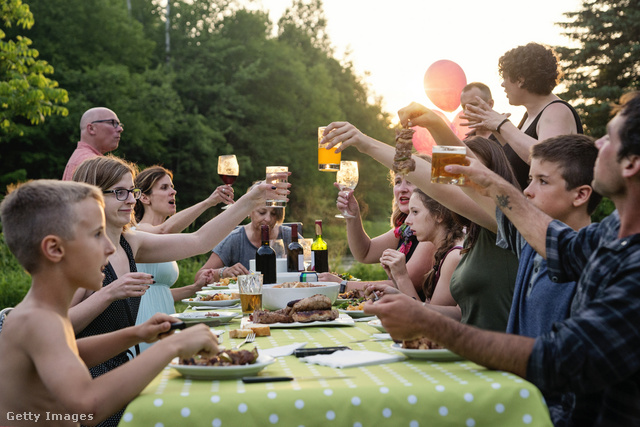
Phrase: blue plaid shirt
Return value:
(595, 353)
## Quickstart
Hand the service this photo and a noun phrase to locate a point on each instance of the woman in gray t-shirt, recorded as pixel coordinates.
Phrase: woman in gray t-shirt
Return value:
(233, 253)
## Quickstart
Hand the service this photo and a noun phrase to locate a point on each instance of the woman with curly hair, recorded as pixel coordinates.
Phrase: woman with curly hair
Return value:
(529, 73)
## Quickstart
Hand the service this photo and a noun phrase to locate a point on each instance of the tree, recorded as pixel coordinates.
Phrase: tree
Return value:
(605, 63)
(25, 91)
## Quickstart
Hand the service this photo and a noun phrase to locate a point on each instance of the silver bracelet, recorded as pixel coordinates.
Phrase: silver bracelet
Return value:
(220, 273)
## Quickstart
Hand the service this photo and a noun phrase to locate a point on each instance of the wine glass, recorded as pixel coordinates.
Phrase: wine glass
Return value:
(347, 177)
(228, 170)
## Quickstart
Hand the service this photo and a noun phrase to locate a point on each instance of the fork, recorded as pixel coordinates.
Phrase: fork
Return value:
(249, 339)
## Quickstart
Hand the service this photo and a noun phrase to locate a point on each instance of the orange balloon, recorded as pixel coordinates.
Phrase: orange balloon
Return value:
(443, 83)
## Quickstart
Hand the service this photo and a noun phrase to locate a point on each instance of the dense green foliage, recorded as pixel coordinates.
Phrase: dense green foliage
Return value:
(229, 84)
(26, 93)
(604, 61)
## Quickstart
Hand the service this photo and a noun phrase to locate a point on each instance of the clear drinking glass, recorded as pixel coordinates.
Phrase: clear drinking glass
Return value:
(443, 155)
(273, 179)
(250, 289)
(347, 178)
(328, 160)
(228, 170)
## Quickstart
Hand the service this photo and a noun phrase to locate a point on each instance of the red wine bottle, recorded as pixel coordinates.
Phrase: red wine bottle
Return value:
(319, 252)
(228, 179)
(295, 253)
(266, 258)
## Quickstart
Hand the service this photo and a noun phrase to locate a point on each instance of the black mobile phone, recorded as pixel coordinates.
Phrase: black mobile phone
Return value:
(178, 325)
(303, 352)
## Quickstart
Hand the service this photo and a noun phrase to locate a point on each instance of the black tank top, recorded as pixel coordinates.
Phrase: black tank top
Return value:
(520, 167)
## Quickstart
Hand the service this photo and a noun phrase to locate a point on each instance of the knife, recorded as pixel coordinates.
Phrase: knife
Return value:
(249, 380)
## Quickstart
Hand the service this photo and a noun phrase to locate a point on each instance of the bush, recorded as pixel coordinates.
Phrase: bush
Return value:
(14, 281)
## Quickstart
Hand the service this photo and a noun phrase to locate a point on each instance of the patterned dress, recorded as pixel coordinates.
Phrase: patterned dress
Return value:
(118, 315)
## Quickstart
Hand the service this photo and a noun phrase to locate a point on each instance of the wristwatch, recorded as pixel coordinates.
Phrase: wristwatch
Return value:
(343, 286)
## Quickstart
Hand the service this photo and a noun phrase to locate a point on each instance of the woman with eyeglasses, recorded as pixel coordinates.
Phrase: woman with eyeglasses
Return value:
(155, 212)
(116, 305)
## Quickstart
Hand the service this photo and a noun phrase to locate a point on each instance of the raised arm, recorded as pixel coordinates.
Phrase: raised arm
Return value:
(450, 196)
(530, 221)
(181, 220)
(416, 114)
(170, 247)
(556, 119)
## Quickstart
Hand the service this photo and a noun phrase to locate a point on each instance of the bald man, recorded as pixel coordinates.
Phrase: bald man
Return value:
(100, 132)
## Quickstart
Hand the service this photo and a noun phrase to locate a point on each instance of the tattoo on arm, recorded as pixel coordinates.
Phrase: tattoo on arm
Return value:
(503, 202)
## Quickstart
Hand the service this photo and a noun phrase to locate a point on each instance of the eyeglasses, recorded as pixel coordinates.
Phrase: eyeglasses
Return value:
(113, 122)
(122, 194)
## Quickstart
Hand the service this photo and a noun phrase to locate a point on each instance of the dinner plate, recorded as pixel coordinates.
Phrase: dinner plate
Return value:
(214, 287)
(377, 324)
(222, 372)
(356, 314)
(224, 303)
(434, 354)
(200, 317)
(342, 320)
(225, 291)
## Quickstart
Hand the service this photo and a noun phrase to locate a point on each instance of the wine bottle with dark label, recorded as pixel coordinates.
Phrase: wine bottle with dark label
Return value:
(319, 253)
(266, 258)
(295, 253)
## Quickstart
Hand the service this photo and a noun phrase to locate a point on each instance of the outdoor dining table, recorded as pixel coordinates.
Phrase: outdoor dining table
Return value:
(410, 392)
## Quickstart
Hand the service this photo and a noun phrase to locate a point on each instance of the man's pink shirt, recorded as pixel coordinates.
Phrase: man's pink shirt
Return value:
(82, 152)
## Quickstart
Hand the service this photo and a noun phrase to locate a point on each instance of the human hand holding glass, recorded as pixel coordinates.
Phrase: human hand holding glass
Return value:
(347, 178)
(228, 170)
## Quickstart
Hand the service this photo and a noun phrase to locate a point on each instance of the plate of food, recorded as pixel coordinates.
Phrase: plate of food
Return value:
(209, 318)
(214, 300)
(228, 364)
(377, 324)
(341, 320)
(356, 314)
(435, 354)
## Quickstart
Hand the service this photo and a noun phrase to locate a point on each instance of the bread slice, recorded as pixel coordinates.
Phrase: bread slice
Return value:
(260, 331)
(239, 333)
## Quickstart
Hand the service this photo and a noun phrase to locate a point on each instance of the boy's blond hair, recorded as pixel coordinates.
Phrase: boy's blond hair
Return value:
(36, 209)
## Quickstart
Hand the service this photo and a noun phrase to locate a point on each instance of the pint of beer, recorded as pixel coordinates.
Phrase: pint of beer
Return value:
(443, 155)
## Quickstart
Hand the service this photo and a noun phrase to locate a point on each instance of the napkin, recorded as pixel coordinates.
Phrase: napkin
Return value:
(285, 350)
(352, 358)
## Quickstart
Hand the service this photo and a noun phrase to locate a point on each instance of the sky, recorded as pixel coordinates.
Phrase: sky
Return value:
(393, 42)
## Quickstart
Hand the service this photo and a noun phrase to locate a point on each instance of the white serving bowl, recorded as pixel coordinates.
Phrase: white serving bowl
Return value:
(277, 298)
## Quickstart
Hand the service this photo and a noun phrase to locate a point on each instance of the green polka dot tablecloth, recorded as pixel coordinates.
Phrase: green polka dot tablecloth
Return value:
(409, 393)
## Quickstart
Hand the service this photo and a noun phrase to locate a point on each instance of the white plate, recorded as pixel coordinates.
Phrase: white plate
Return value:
(377, 324)
(224, 291)
(225, 303)
(435, 354)
(199, 317)
(342, 320)
(354, 313)
(222, 372)
(214, 286)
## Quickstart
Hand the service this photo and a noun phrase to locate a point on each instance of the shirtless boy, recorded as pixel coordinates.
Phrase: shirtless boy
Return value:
(56, 231)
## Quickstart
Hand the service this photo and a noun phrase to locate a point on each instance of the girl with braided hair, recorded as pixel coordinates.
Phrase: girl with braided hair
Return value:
(430, 222)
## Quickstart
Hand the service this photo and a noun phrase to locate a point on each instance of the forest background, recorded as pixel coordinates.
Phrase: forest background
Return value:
(216, 78)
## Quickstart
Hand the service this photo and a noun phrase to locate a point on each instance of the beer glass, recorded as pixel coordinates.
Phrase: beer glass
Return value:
(273, 179)
(443, 155)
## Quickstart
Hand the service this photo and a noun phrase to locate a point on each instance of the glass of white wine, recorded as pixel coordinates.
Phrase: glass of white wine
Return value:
(347, 178)
(228, 170)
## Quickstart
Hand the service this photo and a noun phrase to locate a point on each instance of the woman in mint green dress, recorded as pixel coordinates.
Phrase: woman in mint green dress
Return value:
(155, 212)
